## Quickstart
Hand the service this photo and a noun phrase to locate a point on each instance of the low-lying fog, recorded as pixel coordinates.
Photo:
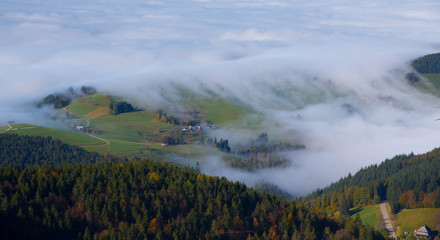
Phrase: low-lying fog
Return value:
(330, 74)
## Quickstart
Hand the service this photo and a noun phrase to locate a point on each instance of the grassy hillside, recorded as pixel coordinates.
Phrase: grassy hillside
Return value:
(429, 67)
(431, 84)
(3, 129)
(434, 80)
(411, 219)
(139, 132)
(123, 145)
(135, 134)
(134, 126)
(369, 214)
(69, 137)
(222, 112)
(90, 106)
(109, 125)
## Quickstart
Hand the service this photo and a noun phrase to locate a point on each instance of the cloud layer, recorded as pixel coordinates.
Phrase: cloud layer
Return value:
(339, 65)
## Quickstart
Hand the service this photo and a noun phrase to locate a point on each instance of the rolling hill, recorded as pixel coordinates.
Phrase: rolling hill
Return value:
(132, 134)
(108, 125)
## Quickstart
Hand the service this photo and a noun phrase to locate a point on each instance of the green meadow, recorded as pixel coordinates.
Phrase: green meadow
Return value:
(70, 137)
(430, 85)
(134, 127)
(409, 220)
(224, 113)
(434, 78)
(138, 133)
(369, 214)
(82, 106)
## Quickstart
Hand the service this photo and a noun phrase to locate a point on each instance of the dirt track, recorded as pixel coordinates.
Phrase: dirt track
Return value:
(10, 127)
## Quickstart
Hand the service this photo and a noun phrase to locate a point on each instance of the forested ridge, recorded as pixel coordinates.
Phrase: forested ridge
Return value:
(427, 64)
(405, 181)
(142, 199)
(35, 150)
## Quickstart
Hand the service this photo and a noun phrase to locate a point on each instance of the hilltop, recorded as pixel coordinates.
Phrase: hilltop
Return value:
(108, 124)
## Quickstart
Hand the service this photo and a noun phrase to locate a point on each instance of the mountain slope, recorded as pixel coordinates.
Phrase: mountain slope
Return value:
(427, 77)
(405, 181)
(143, 199)
(108, 125)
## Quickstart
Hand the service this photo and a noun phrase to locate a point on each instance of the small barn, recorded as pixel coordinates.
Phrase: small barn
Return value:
(423, 232)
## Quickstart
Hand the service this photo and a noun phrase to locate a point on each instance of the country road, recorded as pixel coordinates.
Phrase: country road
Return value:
(387, 220)
(107, 143)
(9, 128)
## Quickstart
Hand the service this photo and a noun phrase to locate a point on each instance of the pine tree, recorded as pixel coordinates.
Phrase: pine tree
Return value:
(343, 207)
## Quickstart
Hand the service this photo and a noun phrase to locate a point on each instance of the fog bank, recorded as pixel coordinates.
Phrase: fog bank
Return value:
(329, 74)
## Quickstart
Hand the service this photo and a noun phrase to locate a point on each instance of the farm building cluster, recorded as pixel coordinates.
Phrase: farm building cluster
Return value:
(79, 128)
(190, 129)
(197, 128)
(424, 232)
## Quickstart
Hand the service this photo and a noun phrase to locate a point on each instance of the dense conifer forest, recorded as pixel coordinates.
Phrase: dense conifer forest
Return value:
(427, 64)
(34, 150)
(405, 181)
(258, 153)
(142, 199)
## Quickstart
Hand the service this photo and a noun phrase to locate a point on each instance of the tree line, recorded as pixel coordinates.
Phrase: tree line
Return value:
(120, 107)
(427, 64)
(60, 100)
(257, 153)
(405, 181)
(23, 151)
(142, 199)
